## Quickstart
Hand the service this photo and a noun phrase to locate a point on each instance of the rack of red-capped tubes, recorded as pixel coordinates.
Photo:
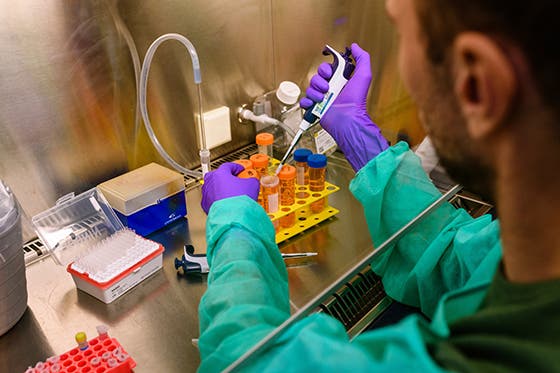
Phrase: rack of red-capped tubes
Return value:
(98, 355)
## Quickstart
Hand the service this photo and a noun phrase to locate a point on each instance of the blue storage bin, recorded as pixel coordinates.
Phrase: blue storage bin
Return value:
(148, 198)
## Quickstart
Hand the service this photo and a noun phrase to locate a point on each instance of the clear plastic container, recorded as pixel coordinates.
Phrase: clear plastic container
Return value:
(13, 283)
(76, 223)
(281, 104)
(264, 142)
(270, 195)
(260, 163)
(83, 230)
(318, 140)
(302, 170)
(287, 177)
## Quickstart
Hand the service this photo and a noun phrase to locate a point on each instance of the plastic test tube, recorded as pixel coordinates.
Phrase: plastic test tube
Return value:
(269, 193)
(287, 177)
(317, 168)
(260, 163)
(81, 339)
(302, 171)
(264, 141)
(102, 331)
(269, 184)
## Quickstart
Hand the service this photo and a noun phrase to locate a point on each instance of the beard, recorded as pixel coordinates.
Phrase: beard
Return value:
(443, 120)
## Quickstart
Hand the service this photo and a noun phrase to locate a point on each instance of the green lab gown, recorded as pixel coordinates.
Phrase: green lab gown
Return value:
(444, 266)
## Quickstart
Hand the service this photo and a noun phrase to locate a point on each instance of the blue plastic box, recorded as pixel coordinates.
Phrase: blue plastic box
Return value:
(148, 198)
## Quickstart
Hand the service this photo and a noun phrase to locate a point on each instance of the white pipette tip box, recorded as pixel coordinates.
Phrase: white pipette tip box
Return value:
(104, 258)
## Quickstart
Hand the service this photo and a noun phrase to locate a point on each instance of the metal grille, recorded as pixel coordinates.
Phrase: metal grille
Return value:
(33, 251)
(355, 301)
(242, 153)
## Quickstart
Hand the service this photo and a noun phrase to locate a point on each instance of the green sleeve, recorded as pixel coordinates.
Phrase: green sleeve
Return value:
(319, 343)
(247, 297)
(446, 251)
(247, 293)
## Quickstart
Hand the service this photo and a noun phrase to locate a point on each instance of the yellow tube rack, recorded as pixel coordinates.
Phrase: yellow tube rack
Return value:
(304, 217)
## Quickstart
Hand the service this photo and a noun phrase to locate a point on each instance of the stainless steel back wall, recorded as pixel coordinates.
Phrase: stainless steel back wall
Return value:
(68, 116)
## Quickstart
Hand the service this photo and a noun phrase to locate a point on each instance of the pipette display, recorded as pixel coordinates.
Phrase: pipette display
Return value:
(342, 67)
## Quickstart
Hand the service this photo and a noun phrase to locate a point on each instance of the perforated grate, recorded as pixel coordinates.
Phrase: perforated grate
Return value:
(242, 153)
(356, 299)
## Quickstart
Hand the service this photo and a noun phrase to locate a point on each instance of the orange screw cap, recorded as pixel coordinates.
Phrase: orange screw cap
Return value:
(259, 160)
(264, 139)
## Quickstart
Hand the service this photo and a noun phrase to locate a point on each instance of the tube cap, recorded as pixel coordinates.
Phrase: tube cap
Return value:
(245, 163)
(81, 337)
(249, 173)
(259, 160)
(264, 139)
(288, 92)
(287, 172)
(301, 155)
(317, 161)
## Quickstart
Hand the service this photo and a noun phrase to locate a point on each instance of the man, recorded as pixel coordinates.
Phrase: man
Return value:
(484, 76)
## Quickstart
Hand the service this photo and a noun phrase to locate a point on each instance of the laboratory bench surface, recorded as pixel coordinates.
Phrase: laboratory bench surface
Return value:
(157, 321)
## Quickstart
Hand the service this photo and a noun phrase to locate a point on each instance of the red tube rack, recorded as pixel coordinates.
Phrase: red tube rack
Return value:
(101, 356)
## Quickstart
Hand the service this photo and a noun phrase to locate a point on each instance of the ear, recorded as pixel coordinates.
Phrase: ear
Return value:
(485, 83)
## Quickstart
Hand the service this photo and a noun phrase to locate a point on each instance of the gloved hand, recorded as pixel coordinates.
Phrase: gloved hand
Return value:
(347, 120)
(222, 183)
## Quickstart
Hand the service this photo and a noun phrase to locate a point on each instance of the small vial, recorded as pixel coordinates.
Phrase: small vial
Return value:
(245, 163)
(102, 331)
(81, 339)
(287, 177)
(260, 163)
(264, 141)
(317, 168)
(302, 170)
(204, 160)
(269, 187)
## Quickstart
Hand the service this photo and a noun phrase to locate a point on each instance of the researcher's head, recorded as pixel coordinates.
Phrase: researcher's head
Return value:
(477, 69)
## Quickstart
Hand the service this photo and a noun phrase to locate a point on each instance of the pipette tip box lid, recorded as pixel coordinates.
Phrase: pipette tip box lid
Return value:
(147, 198)
(104, 258)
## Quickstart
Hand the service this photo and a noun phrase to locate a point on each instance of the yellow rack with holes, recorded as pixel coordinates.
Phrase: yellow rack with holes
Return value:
(304, 217)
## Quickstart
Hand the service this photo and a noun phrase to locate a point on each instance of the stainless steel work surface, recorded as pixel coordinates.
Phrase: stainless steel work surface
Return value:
(157, 321)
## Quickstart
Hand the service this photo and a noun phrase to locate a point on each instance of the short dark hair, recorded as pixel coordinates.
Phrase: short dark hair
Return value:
(531, 25)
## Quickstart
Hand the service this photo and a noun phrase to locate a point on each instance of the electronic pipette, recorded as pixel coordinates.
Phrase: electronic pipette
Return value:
(342, 67)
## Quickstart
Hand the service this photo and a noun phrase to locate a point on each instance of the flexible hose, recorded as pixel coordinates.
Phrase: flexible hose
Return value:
(143, 89)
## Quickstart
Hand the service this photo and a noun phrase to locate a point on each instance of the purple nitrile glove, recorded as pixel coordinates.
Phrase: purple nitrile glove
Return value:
(347, 120)
(223, 183)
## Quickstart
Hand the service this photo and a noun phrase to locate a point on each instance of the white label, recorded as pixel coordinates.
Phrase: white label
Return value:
(273, 202)
(323, 141)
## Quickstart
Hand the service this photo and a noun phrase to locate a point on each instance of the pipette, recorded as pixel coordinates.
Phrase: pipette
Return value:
(342, 67)
(298, 255)
(198, 263)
